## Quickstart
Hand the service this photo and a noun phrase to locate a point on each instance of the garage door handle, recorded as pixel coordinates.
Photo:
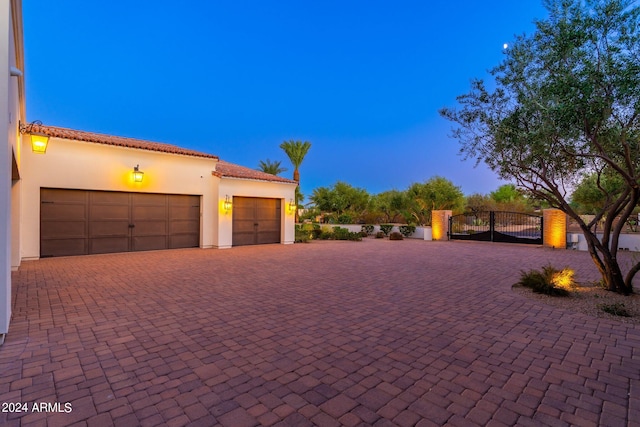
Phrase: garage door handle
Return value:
(131, 225)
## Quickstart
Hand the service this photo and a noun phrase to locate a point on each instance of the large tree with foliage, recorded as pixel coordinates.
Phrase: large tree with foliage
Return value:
(566, 102)
(433, 194)
(510, 198)
(390, 206)
(340, 199)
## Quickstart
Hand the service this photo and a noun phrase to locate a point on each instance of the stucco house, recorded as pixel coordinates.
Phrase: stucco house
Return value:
(91, 193)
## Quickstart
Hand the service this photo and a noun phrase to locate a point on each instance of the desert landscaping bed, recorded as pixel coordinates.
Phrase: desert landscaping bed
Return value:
(589, 299)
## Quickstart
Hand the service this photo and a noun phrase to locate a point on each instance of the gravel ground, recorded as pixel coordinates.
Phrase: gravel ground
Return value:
(589, 300)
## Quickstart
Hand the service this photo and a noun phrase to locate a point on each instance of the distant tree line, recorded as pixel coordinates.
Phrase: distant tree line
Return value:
(342, 203)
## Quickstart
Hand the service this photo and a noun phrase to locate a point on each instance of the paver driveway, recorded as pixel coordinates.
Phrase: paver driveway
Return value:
(329, 333)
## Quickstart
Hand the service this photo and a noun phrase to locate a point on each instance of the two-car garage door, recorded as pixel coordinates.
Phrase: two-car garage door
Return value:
(80, 222)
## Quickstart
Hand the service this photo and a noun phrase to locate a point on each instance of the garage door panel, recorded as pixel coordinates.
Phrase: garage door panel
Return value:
(62, 196)
(178, 241)
(184, 212)
(145, 213)
(63, 229)
(109, 213)
(108, 229)
(107, 245)
(184, 226)
(63, 247)
(180, 200)
(149, 243)
(155, 228)
(149, 199)
(108, 198)
(244, 226)
(244, 239)
(268, 237)
(63, 211)
(267, 209)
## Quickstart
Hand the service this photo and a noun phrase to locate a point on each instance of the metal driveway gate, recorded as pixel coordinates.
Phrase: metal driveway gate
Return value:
(497, 226)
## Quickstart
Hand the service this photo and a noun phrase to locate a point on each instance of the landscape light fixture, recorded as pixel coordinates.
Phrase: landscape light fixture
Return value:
(39, 141)
(138, 175)
(227, 203)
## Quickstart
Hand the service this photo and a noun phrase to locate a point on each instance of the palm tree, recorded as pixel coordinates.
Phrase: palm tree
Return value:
(273, 168)
(296, 150)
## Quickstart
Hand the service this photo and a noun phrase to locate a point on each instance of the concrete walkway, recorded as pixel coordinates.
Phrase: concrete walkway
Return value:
(329, 333)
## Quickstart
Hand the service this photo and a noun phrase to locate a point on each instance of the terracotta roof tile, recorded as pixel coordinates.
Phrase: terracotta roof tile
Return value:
(119, 141)
(230, 170)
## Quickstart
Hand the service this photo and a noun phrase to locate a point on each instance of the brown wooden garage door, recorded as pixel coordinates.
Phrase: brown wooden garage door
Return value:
(256, 221)
(79, 222)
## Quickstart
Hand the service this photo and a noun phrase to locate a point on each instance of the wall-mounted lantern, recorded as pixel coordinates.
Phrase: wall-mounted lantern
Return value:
(227, 203)
(292, 206)
(39, 141)
(138, 175)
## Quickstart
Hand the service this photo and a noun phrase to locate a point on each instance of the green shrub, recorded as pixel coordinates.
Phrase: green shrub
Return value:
(617, 309)
(368, 229)
(547, 281)
(340, 233)
(407, 230)
(379, 235)
(306, 232)
(395, 236)
(302, 236)
(386, 228)
(316, 230)
(345, 219)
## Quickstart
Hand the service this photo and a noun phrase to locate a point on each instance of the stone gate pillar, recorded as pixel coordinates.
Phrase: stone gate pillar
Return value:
(440, 224)
(554, 228)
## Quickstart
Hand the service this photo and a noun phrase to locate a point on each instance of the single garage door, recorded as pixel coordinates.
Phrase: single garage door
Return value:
(80, 222)
(256, 221)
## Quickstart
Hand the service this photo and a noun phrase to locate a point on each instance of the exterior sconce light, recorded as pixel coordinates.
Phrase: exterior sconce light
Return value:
(227, 203)
(292, 206)
(138, 175)
(39, 141)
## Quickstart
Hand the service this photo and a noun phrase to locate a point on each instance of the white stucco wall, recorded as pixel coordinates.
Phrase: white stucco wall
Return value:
(10, 111)
(89, 166)
(629, 242)
(5, 175)
(15, 117)
(254, 188)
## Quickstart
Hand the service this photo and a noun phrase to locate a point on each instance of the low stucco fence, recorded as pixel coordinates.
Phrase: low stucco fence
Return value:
(626, 242)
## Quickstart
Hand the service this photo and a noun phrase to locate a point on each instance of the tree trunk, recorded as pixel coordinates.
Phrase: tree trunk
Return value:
(607, 264)
(613, 278)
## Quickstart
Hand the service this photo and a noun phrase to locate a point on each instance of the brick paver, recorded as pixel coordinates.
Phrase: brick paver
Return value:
(328, 333)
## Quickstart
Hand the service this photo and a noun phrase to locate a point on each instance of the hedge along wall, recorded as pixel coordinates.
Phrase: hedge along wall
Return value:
(421, 233)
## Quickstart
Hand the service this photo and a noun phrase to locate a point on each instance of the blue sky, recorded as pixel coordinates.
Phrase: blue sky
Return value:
(361, 80)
